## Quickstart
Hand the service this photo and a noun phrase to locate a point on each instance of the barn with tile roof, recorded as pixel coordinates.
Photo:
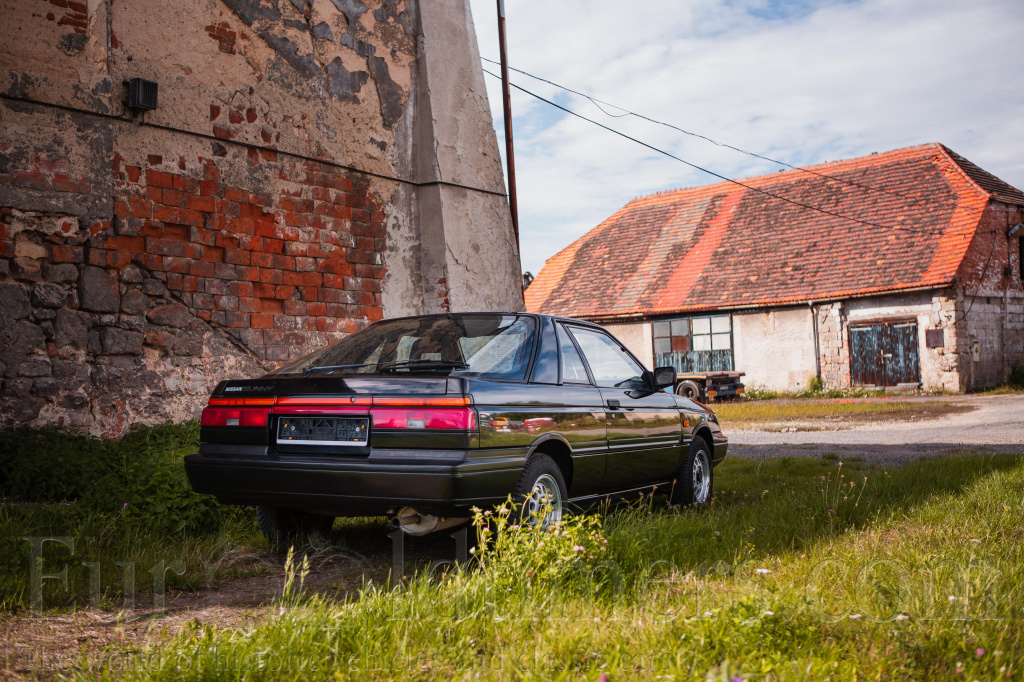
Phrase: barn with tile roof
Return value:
(896, 269)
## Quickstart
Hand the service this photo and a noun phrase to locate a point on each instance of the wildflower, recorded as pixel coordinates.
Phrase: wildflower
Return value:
(578, 548)
(980, 652)
(902, 616)
(707, 613)
(124, 506)
(487, 513)
(514, 526)
(769, 613)
(952, 598)
(762, 571)
(856, 616)
(737, 678)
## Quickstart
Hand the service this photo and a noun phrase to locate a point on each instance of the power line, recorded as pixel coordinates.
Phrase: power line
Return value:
(711, 172)
(597, 103)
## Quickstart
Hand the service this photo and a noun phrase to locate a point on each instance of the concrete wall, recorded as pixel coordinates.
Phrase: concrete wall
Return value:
(312, 166)
(636, 336)
(775, 348)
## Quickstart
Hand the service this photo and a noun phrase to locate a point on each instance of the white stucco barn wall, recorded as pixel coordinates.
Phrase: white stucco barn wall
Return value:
(636, 336)
(774, 348)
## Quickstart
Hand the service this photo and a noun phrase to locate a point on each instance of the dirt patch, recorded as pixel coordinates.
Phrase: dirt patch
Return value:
(244, 589)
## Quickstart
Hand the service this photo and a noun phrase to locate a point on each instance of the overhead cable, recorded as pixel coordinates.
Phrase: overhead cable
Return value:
(711, 172)
(626, 112)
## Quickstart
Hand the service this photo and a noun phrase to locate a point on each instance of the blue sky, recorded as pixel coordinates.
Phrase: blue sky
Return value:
(798, 80)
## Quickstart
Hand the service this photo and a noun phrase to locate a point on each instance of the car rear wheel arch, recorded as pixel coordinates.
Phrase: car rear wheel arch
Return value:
(558, 450)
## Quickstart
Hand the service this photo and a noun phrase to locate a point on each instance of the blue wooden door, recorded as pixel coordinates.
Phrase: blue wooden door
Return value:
(884, 354)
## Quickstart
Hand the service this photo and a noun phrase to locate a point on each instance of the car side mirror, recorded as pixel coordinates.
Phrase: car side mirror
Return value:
(664, 377)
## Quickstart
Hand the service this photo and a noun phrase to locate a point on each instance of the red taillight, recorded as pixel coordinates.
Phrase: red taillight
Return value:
(424, 418)
(387, 412)
(235, 416)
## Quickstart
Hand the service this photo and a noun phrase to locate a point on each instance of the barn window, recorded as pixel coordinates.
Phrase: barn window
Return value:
(694, 344)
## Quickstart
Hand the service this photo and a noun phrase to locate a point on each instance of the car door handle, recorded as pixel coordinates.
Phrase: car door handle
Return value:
(613, 404)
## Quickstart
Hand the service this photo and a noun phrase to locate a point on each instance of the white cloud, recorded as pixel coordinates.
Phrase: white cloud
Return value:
(803, 82)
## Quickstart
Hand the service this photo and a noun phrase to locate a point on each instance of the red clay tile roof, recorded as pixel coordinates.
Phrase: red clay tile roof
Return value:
(722, 245)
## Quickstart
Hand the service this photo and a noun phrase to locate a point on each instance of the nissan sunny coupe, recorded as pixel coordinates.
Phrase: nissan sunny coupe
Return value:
(420, 419)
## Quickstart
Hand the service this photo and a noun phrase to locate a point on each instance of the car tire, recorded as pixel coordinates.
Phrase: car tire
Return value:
(689, 389)
(282, 527)
(694, 484)
(540, 484)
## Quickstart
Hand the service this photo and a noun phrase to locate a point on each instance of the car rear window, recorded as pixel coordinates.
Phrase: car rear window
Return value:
(497, 346)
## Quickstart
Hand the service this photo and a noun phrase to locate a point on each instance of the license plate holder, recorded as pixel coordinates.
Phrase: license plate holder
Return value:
(351, 432)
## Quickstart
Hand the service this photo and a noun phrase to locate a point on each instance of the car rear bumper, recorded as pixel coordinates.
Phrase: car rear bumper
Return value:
(448, 483)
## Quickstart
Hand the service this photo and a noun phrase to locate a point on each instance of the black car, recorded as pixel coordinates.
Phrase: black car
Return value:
(422, 418)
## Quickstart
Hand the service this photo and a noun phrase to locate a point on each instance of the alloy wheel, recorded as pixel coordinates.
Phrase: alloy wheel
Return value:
(701, 478)
(546, 499)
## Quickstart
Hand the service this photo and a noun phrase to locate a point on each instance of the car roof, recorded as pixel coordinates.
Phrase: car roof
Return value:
(559, 318)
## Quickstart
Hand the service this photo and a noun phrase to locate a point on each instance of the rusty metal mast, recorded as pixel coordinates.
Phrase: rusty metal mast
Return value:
(506, 100)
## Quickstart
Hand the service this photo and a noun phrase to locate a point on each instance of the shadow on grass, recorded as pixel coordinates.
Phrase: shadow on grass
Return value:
(124, 501)
(764, 508)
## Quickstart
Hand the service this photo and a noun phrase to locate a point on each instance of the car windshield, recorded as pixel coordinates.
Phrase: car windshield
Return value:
(496, 346)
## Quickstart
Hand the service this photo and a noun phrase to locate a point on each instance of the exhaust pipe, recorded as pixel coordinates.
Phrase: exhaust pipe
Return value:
(413, 523)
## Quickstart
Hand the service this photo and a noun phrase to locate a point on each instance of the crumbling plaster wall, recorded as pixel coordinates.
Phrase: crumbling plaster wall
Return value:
(266, 207)
(453, 262)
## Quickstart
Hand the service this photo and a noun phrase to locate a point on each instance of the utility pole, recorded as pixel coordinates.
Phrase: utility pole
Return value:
(507, 105)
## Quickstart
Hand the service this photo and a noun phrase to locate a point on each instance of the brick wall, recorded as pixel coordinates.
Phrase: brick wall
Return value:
(309, 168)
(106, 322)
(833, 345)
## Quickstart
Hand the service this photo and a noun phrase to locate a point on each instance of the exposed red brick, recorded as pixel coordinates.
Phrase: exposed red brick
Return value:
(157, 178)
(271, 305)
(204, 204)
(183, 183)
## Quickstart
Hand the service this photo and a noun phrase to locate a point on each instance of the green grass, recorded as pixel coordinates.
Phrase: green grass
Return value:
(800, 569)
(112, 501)
(811, 409)
(757, 393)
(1003, 389)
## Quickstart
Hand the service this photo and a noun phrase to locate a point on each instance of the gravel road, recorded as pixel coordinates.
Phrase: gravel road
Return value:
(995, 425)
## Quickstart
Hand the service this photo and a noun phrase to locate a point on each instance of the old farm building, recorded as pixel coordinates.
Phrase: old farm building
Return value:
(916, 279)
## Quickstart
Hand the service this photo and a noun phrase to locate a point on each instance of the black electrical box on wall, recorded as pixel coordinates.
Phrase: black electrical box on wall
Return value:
(142, 94)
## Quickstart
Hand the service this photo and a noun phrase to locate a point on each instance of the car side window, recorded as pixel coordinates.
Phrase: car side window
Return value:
(573, 370)
(610, 365)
